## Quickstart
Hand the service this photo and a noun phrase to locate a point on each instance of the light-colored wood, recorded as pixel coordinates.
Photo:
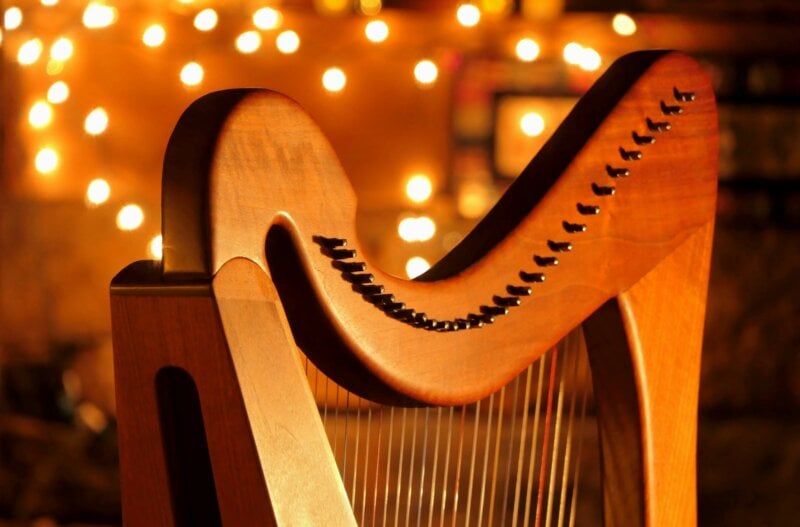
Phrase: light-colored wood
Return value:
(270, 466)
(250, 184)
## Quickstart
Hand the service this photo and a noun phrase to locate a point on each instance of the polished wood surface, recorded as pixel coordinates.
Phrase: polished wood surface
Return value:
(623, 196)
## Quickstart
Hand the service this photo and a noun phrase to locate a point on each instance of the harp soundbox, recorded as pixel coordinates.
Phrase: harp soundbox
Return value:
(607, 230)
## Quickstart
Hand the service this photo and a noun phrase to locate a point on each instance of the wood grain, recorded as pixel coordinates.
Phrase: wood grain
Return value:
(250, 184)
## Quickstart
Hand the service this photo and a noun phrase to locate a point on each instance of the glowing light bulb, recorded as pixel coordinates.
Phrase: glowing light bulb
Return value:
(426, 72)
(49, 3)
(156, 247)
(419, 188)
(98, 192)
(334, 80)
(206, 20)
(12, 18)
(96, 122)
(46, 160)
(532, 124)
(416, 265)
(267, 18)
(419, 229)
(29, 52)
(130, 217)
(248, 42)
(527, 49)
(61, 49)
(590, 60)
(468, 15)
(287, 42)
(40, 114)
(192, 74)
(376, 31)
(573, 53)
(98, 15)
(58, 92)
(623, 24)
(154, 35)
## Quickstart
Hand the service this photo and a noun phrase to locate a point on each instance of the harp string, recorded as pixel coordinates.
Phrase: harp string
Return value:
(572, 346)
(415, 467)
(432, 499)
(523, 432)
(510, 452)
(487, 444)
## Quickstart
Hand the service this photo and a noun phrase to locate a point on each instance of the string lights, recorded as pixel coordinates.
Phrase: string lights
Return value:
(205, 18)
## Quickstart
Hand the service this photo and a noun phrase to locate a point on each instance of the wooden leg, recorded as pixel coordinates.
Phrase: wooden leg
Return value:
(226, 347)
(293, 450)
(644, 349)
(166, 345)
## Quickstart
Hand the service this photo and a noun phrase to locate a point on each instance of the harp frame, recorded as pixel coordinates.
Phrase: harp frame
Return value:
(219, 297)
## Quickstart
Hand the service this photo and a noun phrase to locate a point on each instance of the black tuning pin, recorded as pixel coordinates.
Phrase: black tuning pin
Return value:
(494, 310)
(359, 278)
(683, 96)
(531, 277)
(600, 190)
(617, 172)
(519, 290)
(573, 227)
(506, 301)
(630, 155)
(658, 126)
(329, 243)
(545, 261)
(559, 247)
(643, 139)
(461, 323)
(349, 267)
(392, 306)
(339, 254)
(666, 109)
(381, 298)
(588, 210)
(369, 290)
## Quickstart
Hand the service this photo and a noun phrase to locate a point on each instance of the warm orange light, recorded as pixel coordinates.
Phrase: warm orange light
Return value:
(206, 20)
(46, 160)
(61, 49)
(192, 74)
(29, 52)
(416, 265)
(334, 80)
(156, 247)
(96, 122)
(426, 72)
(98, 192)
(40, 114)
(154, 35)
(527, 49)
(376, 31)
(267, 18)
(287, 42)
(58, 92)
(99, 15)
(12, 18)
(623, 24)
(419, 188)
(248, 42)
(130, 217)
(468, 15)
(532, 124)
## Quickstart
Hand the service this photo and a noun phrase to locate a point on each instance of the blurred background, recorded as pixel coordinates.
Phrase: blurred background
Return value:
(433, 107)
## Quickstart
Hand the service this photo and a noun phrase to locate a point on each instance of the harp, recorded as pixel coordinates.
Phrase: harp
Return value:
(608, 229)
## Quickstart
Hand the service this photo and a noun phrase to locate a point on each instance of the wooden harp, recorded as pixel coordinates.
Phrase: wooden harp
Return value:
(609, 228)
